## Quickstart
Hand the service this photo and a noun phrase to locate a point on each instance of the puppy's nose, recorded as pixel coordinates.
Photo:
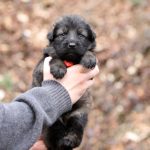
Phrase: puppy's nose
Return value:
(72, 45)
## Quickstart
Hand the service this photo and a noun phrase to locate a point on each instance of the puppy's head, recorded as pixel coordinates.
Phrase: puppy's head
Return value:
(71, 38)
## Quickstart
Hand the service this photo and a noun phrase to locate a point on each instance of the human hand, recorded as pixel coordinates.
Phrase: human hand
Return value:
(39, 145)
(76, 81)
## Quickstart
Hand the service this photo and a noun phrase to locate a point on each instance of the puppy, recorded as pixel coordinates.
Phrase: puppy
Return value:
(71, 40)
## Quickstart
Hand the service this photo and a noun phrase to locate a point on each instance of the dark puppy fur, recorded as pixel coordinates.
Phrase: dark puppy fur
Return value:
(72, 39)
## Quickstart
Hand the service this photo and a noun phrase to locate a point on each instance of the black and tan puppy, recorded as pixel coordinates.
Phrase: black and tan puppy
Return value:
(72, 40)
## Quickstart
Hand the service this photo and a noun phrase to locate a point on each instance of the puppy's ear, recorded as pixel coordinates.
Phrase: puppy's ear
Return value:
(92, 35)
(50, 36)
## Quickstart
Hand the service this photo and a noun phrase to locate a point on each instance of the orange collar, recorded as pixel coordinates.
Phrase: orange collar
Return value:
(68, 63)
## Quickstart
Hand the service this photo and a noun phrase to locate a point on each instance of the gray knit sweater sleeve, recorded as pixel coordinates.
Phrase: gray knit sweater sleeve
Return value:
(22, 120)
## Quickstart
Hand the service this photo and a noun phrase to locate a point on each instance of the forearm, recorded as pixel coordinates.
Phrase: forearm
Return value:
(21, 121)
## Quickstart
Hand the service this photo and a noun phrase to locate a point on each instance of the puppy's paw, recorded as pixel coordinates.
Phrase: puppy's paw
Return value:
(88, 62)
(70, 141)
(58, 71)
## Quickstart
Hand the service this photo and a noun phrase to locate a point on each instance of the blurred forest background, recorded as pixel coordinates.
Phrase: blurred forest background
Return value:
(120, 116)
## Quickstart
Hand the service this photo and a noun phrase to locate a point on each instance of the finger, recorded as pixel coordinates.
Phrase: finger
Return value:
(88, 84)
(78, 68)
(39, 146)
(97, 61)
(46, 67)
(91, 74)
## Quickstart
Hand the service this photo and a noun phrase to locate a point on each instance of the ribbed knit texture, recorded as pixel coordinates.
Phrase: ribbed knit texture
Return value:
(22, 120)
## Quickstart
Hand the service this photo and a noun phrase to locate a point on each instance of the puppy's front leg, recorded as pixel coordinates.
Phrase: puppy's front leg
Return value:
(88, 60)
(57, 68)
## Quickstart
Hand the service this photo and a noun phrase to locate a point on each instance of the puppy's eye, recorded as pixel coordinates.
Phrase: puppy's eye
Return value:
(82, 35)
(61, 35)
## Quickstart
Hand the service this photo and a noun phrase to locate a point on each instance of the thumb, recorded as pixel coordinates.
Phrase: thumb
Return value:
(46, 69)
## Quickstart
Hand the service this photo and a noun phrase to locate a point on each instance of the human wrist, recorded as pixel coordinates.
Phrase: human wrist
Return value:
(58, 95)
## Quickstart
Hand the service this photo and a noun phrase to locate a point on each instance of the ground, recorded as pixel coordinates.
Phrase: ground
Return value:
(120, 116)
